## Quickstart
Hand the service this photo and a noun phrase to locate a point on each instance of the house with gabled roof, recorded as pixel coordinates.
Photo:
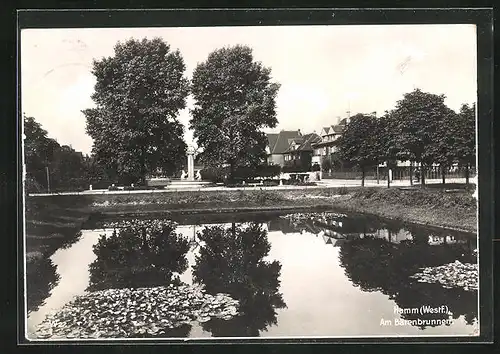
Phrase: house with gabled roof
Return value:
(300, 150)
(279, 143)
(327, 145)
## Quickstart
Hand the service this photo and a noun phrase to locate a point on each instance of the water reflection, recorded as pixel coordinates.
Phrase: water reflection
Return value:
(331, 266)
(378, 265)
(141, 254)
(41, 279)
(381, 255)
(334, 227)
(231, 260)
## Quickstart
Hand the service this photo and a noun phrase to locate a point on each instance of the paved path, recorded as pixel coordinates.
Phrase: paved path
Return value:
(325, 183)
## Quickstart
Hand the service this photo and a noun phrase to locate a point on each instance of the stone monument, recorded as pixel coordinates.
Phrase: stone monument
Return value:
(190, 163)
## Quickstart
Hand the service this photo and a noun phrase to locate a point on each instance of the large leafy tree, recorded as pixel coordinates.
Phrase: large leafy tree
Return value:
(48, 163)
(138, 95)
(358, 144)
(68, 169)
(234, 101)
(465, 137)
(417, 118)
(384, 146)
(445, 146)
(39, 151)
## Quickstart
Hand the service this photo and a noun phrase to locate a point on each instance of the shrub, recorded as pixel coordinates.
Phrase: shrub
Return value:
(101, 184)
(213, 174)
(316, 167)
(113, 188)
(270, 183)
(292, 168)
(244, 173)
(268, 170)
(297, 182)
(326, 164)
(142, 188)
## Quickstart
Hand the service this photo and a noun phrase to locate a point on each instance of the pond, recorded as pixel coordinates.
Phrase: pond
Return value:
(246, 275)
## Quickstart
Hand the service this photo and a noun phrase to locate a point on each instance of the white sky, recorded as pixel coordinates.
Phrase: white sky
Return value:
(323, 70)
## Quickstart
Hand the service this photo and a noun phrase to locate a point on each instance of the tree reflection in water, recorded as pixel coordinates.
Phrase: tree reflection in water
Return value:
(231, 260)
(143, 254)
(41, 279)
(375, 264)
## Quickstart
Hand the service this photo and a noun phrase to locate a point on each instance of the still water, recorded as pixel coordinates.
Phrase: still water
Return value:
(322, 274)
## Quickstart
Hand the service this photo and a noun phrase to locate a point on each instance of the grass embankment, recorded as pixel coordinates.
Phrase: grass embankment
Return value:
(430, 206)
(56, 220)
(433, 205)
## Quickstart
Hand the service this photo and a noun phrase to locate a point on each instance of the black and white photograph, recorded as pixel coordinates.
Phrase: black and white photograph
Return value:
(235, 182)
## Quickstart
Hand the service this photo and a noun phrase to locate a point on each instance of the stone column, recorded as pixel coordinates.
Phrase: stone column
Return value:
(190, 164)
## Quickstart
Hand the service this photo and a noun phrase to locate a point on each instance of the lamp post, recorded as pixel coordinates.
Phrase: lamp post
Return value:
(48, 178)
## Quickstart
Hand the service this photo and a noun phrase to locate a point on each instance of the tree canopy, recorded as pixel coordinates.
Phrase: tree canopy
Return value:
(138, 95)
(465, 134)
(359, 142)
(65, 166)
(420, 120)
(234, 100)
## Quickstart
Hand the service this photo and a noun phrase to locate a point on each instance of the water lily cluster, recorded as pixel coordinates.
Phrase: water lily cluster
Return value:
(122, 313)
(452, 275)
(302, 217)
(138, 224)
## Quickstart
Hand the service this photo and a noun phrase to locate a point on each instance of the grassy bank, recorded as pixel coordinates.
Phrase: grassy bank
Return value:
(429, 206)
(55, 220)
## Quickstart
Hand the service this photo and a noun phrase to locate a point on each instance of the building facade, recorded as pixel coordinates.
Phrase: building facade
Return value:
(278, 144)
(300, 151)
(327, 145)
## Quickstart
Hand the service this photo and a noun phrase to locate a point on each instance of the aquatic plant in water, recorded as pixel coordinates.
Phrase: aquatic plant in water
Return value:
(451, 275)
(133, 292)
(140, 312)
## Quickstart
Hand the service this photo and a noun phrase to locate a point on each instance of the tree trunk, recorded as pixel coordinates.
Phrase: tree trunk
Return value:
(411, 173)
(443, 174)
(231, 172)
(362, 176)
(467, 174)
(143, 167)
(388, 177)
(422, 174)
